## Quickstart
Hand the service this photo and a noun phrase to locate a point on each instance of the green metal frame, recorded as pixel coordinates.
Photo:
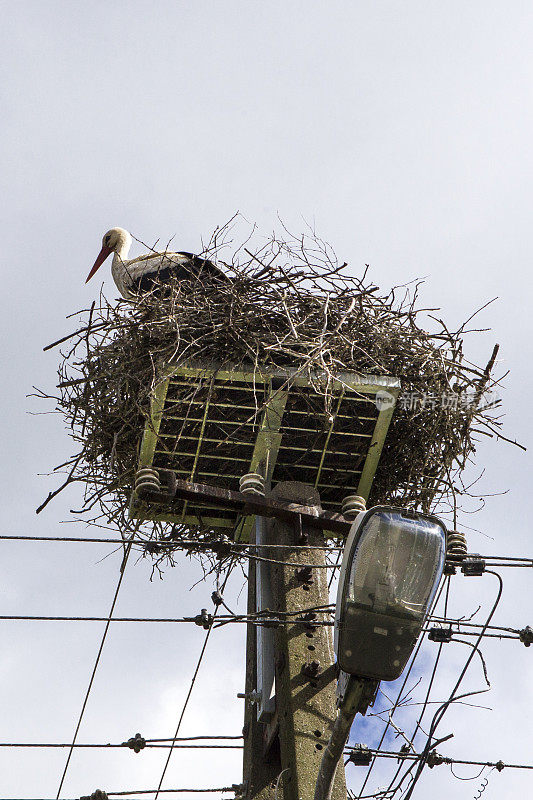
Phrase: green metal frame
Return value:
(266, 449)
(268, 436)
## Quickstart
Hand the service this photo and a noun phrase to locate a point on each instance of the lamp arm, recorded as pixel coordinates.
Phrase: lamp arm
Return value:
(355, 699)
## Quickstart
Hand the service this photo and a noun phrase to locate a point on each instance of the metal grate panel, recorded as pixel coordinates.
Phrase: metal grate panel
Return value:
(213, 426)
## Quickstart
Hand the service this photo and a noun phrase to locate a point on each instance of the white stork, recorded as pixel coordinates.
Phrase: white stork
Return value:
(151, 270)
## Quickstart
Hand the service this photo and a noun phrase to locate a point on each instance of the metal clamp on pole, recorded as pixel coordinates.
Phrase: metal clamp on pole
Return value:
(254, 697)
(361, 755)
(440, 635)
(473, 566)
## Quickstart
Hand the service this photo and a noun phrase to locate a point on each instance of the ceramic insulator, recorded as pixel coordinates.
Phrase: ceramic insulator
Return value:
(252, 483)
(456, 545)
(147, 479)
(352, 505)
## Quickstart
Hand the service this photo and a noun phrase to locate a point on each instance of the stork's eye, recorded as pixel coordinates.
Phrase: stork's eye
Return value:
(106, 240)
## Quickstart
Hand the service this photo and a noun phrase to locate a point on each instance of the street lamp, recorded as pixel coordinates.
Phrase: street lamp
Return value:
(393, 562)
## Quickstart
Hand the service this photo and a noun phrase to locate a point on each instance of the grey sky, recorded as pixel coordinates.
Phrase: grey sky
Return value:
(403, 132)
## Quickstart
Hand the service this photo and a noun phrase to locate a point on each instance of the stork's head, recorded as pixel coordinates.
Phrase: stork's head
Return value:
(116, 240)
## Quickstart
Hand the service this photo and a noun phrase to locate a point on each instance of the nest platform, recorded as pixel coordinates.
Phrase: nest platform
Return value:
(277, 370)
(214, 425)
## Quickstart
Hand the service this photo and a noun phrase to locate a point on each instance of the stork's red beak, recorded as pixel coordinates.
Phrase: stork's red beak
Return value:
(104, 253)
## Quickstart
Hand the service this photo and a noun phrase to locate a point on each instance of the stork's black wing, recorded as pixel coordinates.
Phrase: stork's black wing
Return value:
(198, 266)
(192, 268)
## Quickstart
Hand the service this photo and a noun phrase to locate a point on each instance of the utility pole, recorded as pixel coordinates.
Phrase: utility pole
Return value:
(261, 764)
(287, 750)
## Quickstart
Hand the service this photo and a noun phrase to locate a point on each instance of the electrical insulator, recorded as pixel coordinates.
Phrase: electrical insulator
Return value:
(147, 479)
(252, 483)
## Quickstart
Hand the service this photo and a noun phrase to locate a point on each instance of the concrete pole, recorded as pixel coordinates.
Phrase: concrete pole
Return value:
(305, 672)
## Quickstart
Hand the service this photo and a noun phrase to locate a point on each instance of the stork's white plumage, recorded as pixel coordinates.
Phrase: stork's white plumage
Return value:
(151, 270)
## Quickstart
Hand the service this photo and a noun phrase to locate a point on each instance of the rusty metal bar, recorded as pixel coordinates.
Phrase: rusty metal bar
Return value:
(247, 504)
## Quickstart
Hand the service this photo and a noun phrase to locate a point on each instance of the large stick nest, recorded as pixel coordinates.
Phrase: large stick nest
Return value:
(289, 303)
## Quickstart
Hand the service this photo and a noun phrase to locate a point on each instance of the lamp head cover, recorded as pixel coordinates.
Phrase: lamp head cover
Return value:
(393, 562)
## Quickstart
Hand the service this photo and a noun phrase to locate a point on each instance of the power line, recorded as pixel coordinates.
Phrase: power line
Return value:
(158, 791)
(502, 560)
(95, 667)
(494, 561)
(194, 738)
(397, 701)
(277, 561)
(513, 562)
(439, 714)
(35, 618)
(437, 760)
(233, 789)
(467, 624)
(110, 746)
(193, 680)
(257, 619)
(164, 542)
(509, 558)
(429, 755)
(474, 633)
(428, 692)
(261, 619)
(429, 748)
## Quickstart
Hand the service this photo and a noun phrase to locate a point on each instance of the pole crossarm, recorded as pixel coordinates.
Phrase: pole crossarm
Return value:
(246, 504)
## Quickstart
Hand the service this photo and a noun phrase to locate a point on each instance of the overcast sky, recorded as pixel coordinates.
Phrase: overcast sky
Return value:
(403, 132)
